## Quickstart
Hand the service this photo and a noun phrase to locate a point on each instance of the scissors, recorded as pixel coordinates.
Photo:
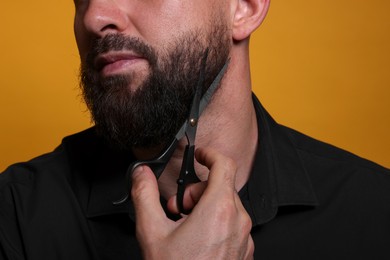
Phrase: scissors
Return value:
(188, 129)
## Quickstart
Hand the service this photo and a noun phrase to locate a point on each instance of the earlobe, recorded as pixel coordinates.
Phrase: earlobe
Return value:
(248, 15)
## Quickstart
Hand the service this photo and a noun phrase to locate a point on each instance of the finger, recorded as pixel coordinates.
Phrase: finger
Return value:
(192, 195)
(222, 169)
(146, 200)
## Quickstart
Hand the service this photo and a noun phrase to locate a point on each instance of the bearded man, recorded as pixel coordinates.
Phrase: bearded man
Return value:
(265, 191)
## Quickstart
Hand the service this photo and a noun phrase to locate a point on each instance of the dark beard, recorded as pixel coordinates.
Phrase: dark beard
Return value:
(150, 115)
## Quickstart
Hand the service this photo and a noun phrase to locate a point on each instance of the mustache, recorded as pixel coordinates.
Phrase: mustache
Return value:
(119, 42)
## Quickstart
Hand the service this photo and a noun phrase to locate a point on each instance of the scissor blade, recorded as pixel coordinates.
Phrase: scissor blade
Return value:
(210, 91)
(205, 99)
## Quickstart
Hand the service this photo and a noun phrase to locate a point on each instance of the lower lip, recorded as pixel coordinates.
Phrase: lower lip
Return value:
(120, 66)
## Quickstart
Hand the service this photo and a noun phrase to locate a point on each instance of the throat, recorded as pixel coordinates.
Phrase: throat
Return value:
(147, 153)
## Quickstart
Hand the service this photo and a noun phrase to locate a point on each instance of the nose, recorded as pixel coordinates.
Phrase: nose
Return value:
(102, 17)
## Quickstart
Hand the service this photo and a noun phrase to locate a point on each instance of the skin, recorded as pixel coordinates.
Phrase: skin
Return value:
(219, 226)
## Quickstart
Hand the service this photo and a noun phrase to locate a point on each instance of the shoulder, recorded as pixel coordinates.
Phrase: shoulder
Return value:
(25, 173)
(335, 171)
(319, 151)
(45, 168)
(38, 196)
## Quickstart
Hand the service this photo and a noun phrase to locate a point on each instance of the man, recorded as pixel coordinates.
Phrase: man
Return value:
(266, 191)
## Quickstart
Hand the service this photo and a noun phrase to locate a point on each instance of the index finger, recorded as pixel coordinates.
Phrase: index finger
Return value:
(223, 169)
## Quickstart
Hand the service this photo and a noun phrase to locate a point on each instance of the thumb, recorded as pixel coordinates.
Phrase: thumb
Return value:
(146, 199)
(192, 195)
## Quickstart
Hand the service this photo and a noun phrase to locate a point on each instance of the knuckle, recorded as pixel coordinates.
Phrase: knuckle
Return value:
(246, 223)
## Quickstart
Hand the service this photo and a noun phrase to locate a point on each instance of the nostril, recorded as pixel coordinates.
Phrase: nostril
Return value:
(109, 27)
(103, 16)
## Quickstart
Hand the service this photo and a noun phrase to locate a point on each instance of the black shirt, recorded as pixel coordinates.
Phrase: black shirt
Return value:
(307, 200)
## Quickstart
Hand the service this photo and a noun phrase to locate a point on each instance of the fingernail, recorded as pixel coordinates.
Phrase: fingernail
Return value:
(137, 171)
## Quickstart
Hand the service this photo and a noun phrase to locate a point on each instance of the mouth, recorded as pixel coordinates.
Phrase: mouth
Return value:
(117, 62)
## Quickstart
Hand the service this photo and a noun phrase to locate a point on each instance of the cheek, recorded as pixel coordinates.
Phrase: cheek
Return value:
(80, 37)
(165, 20)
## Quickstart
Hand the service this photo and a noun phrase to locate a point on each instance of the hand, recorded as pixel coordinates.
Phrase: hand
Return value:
(217, 228)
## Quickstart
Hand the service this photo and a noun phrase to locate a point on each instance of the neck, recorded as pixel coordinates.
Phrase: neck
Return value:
(227, 125)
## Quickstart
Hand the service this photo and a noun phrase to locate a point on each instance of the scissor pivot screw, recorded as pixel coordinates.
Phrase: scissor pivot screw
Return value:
(193, 122)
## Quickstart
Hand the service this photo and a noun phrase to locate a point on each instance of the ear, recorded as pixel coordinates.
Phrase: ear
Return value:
(248, 15)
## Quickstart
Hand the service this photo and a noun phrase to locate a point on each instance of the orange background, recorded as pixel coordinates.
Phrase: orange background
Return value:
(321, 67)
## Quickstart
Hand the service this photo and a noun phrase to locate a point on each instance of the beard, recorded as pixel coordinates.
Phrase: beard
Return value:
(151, 114)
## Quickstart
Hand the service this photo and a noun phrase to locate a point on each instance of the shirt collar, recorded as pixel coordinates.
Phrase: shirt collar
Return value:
(278, 177)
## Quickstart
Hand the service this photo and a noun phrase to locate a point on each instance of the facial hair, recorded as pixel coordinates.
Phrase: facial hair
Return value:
(150, 115)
